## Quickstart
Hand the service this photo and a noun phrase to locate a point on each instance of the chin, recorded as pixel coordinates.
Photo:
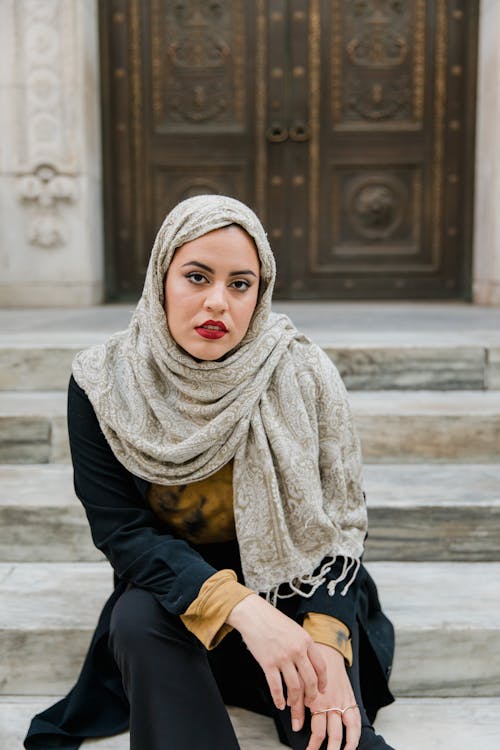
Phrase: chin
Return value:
(208, 353)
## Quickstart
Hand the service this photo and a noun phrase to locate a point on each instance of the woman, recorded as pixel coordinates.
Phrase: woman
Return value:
(216, 458)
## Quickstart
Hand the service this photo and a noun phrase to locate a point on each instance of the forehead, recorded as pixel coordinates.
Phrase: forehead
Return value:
(226, 245)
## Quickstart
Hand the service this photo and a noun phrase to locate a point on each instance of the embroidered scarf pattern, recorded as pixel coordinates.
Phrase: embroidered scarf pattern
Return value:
(275, 404)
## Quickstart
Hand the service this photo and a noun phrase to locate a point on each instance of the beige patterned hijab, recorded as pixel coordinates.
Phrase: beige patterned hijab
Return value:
(275, 404)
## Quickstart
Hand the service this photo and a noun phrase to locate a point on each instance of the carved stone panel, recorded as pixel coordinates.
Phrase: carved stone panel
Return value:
(46, 158)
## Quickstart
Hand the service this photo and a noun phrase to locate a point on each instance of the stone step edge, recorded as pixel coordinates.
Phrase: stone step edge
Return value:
(439, 641)
(409, 723)
(394, 426)
(421, 403)
(433, 601)
(387, 485)
(42, 520)
(23, 365)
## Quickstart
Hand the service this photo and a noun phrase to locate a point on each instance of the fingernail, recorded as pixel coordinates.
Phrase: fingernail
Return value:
(295, 725)
(282, 706)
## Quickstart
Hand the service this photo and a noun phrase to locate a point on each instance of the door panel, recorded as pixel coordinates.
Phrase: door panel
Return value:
(348, 126)
(387, 140)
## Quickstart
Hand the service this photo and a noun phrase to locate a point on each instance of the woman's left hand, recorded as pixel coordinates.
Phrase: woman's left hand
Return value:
(337, 694)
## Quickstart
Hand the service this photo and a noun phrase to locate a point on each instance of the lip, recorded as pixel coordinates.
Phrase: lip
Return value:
(214, 332)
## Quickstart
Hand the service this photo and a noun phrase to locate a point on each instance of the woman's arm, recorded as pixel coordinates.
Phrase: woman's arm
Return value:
(314, 673)
(284, 651)
(123, 527)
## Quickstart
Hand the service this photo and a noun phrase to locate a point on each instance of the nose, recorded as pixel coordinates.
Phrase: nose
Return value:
(216, 298)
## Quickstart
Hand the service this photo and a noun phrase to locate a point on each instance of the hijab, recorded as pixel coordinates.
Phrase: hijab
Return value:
(275, 405)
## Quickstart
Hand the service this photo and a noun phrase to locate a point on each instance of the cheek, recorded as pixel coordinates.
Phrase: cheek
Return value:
(249, 309)
(175, 292)
(173, 301)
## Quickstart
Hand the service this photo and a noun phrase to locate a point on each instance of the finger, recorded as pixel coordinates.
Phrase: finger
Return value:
(309, 679)
(318, 731)
(335, 731)
(352, 723)
(273, 678)
(297, 712)
(319, 665)
(294, 685)
(297, 709)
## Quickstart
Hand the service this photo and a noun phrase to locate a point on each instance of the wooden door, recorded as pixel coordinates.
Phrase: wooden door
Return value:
(348, 127)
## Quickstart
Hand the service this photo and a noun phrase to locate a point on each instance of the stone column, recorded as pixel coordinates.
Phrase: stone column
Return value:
(486, 286)
(51, 237)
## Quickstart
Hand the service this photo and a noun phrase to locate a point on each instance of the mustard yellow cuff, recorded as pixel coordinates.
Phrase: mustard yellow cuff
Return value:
(330, 631)
(206, 615)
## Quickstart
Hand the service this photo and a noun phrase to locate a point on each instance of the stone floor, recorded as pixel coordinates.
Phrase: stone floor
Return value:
(409, 724)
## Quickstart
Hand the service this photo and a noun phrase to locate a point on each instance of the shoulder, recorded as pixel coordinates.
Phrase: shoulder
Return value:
(82, 419)
(76, 394)
(77, 399)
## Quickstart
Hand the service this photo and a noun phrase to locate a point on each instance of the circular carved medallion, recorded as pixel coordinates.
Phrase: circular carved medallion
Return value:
(375, 206)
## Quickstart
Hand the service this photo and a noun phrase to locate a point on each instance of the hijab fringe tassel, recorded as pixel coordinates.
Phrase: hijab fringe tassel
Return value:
(348, 574)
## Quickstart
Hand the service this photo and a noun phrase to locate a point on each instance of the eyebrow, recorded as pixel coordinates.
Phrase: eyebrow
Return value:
(211, 270)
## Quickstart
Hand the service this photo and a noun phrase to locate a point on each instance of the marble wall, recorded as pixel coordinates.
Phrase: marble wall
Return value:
(486, 287)
(51, 244)
(51, 224)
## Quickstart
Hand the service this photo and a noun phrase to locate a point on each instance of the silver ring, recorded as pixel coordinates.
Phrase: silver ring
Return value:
(340, 711)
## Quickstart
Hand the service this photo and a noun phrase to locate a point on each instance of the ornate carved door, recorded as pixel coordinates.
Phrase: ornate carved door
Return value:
(348, 126)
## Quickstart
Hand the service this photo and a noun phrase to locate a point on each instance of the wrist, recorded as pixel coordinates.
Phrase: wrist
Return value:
(330, 653)
(239, 612)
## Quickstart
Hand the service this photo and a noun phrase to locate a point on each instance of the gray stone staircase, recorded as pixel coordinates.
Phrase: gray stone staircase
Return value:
(426, 398)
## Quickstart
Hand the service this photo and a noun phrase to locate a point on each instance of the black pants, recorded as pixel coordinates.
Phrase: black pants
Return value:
(177, 690)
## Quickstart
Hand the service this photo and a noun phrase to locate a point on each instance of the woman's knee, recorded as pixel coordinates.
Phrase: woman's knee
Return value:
(138, 620)
(131, 618)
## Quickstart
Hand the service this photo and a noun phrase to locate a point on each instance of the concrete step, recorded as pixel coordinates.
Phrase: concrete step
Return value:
(416, 512)
(45, 364)
(433, 512)
(428, 426)
(41, 519)
(376, 345)
(33, 428)
(447, 619)
(394, 426)
(254, 732)
(408, 724)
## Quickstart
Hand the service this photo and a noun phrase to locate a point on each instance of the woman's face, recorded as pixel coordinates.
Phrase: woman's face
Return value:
(211, 290)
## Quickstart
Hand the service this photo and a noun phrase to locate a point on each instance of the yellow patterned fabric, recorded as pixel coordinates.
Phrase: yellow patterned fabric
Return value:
(201, 512)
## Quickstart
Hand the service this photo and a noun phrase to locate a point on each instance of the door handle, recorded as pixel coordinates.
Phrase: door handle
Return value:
(276, 133)
(299, 132)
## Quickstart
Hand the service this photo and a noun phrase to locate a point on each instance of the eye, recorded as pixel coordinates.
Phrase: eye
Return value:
(195, 277)
(240, 285)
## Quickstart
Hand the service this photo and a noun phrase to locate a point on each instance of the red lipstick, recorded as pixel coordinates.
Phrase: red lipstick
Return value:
(212, 329)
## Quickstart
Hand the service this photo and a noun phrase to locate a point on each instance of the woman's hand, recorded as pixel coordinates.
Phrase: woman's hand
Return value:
(284, 650)
(337, 694)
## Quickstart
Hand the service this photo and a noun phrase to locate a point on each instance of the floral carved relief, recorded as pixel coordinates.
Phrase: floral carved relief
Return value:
(45, 188)
(197, 62)
(46, 158)
(380, 67)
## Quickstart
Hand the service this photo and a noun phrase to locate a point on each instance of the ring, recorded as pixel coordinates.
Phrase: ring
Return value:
(340, 711)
